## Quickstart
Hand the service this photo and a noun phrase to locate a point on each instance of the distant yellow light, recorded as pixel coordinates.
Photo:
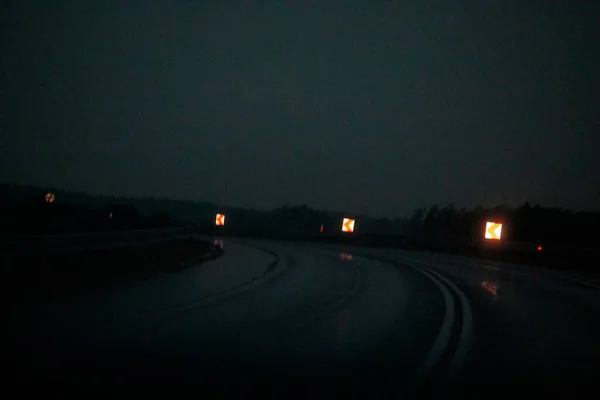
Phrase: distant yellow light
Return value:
(493, 230)
(348, 225)
(220, 220)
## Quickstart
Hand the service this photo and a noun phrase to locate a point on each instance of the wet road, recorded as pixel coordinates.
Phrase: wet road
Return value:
(293, 313)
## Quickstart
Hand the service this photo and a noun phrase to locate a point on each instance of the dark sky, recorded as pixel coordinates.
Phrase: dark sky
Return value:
(359, 106)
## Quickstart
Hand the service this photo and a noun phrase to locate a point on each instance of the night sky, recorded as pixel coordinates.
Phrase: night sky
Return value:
(359, 106)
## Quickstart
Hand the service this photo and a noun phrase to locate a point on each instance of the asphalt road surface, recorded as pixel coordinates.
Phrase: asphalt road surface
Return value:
(282, 313)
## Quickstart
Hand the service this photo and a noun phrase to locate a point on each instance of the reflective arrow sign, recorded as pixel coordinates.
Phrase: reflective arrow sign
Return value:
(348, 225)
(220, 220)
(493, 230)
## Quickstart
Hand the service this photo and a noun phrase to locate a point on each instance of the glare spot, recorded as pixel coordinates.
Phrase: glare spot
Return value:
(490, 287)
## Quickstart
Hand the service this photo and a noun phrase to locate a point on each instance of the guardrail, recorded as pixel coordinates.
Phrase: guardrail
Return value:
(93, 240)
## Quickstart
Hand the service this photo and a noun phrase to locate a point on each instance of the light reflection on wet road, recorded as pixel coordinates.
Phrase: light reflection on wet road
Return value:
(279, 311)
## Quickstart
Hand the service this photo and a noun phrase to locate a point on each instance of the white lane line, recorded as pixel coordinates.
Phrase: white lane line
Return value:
(525, 269)
(274, 268)
(466, 333)
(441, 342)
(585, 283)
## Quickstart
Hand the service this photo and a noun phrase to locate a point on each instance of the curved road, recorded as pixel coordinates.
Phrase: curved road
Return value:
(294, 313)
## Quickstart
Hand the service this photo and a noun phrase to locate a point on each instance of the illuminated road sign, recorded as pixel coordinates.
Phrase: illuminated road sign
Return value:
(220, 220)
(50, 198)
(493, 230)
(348, 225)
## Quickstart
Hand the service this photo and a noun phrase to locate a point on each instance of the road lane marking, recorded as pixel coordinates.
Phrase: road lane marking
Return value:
(441, 342)
(523, 269)
(466, 332)
(273, 269)
(440, 345)
(584, 283)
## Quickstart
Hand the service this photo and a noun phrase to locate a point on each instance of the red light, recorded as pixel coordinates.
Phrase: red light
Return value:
(540, 248)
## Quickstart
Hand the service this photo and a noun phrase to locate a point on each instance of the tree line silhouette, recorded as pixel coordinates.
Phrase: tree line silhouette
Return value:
(525, 223)
(25, 211)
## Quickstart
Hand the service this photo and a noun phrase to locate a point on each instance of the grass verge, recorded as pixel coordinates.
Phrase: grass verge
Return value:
(36, 276)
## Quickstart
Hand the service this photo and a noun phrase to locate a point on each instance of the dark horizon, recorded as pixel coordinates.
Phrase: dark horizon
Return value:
(42, 190)
(370, 107)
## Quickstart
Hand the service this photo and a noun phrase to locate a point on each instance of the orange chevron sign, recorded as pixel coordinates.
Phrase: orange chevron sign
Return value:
(348, 225)
(50, 197)
(220, 220)
(493, 230)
